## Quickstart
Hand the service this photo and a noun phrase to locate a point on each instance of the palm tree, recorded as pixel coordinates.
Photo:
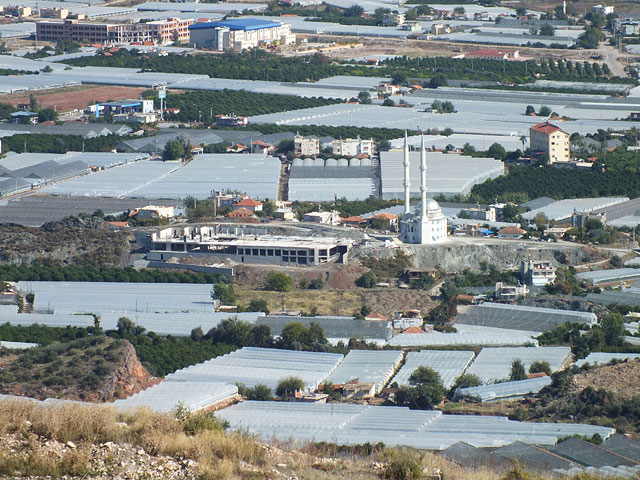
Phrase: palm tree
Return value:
(523, 139)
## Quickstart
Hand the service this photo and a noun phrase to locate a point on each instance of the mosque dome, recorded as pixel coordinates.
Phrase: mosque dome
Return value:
(432, 204)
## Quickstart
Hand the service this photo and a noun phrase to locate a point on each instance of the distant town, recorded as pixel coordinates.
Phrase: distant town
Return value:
(320, 239)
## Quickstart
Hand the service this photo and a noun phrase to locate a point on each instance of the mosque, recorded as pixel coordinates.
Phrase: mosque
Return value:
(426, 225)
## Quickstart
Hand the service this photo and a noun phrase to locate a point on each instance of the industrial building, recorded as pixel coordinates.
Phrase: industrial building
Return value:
(242, 247)
(172, 30)
(240, 34)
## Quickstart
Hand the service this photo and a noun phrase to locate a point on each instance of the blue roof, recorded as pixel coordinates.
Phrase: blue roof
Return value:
(123, 104)
(23, 113)
(238, 24)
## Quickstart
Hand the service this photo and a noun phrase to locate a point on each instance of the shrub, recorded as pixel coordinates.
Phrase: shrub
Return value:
(367, 280)
(404, 466)
(517, 371)
(289, 386)
(540, 367)
(278, 282)
(260, 392)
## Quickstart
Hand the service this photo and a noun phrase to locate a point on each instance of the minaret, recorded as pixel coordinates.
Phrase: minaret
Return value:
(423, 180)
(407, 182)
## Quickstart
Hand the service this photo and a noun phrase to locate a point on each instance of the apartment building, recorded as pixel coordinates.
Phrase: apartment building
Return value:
(352, 147)
(546, 138)
(306, 146)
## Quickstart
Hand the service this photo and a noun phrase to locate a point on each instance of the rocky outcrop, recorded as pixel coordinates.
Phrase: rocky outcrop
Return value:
(129, 377)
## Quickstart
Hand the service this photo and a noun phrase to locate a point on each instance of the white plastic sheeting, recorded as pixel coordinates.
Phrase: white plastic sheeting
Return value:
(252, 366)
(498, 391)
(376, 366)
(602, 358)
(494, 364)
(166, 396)
(450, 364)
(437, 339)
(346, 424)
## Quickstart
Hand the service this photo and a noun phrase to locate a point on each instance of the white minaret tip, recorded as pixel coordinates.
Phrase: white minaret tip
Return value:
(407, 182)
(423, 179)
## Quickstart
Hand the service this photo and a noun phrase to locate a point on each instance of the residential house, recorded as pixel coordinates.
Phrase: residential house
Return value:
(511, 232)
(487, 215)
(376, 317)
(354, 221)
(153, 211)
(262, 147)
(231, 121)
(393, 18)
(284, 214)
(547, 139)
(389, 217)
(440, 29)
(603, 9)
(241, 213)
(537, 272)
(509, 293)
(249, 204)
(329, 218)
(386, 88)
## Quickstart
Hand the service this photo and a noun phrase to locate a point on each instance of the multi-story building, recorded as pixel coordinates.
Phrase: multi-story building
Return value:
(306, 146)
(54, 12)
(603, 9)
(240, 34)
(16, 10)
(172, 30)
(510, 293)
(393, 18)
(537, 272)
(545, 138)
(351, 147)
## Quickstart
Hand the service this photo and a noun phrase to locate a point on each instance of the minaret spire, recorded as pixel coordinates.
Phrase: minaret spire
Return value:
(423, 179)
(407, 181)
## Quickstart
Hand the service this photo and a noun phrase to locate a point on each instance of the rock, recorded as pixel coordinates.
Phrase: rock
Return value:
(70, 444)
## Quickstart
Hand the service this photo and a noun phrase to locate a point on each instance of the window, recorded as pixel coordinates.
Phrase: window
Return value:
(255, 251)
(263, 252)
(270, 252)
(278, 252)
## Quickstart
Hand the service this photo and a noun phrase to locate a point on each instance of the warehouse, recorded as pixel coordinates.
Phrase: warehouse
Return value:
(239, 34)
(249, 248)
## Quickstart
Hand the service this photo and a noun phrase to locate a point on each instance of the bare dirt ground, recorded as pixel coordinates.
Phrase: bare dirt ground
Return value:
(622, 379)
(71, 98)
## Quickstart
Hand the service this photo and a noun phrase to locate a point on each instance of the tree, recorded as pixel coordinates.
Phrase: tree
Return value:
(278, 282)
(521, 11)
(590, 38)
(438, 80)
(260, 336)
(225, 293)
(547, 30)
(353, 11)
(286, 146)
(540, 367)
(597, 20)
(447, 132)
(529, 110)
(197, 334)
(468, 149)
(367, 280)
(173, 150)
(293, 336)
(612, 325)
(232, 332)
(423, 375)
(459, 11)
(388, 103)
(33, 103)
(466, 380)
(399, 78)
(544, 111)
(364, 97)
(517, 371)
(258, 305)
(425, 281)
(125, 326)
(47, 115)
(289, 386)
(268, 207)
(497, 151)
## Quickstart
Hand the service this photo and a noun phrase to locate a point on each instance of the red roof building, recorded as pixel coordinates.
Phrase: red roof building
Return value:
(376, 316)
(511, 232)
(248, 204)
(241, 213)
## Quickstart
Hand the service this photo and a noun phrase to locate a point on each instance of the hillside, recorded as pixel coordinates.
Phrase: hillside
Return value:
(95, 369)
(622, 380)
(74, 241)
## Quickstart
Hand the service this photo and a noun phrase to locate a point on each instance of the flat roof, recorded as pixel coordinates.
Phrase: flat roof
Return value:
(262, 241)
(123, 103)
(238, 24)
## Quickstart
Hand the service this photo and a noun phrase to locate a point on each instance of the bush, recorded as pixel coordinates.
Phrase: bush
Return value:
(367, 280)
(278, 282)
(260, 392)
(517, 371)
(540, 367)
(404, 466)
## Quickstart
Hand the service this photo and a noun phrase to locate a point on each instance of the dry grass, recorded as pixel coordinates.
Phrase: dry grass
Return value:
(327, 302)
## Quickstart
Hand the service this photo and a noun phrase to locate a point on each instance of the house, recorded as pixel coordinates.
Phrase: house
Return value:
(537, 272)
(284, 214)
(410, 274)
(547, 139)
(306, 146)
(351, 147)
(248, 204)
(413, 330)
(509, 293)
(231, 121)
(153, 211)
(493, 54)
(387, 89)
(412, 26)
(511, 232)
(237, 148)
(393, 18)
(329, 218)
(440, 29)
(603, 9)
(356, 389)
(488, 215)
(635, 116)
(354, 221)
(412, 318)
(262, 147)
(388, 217)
